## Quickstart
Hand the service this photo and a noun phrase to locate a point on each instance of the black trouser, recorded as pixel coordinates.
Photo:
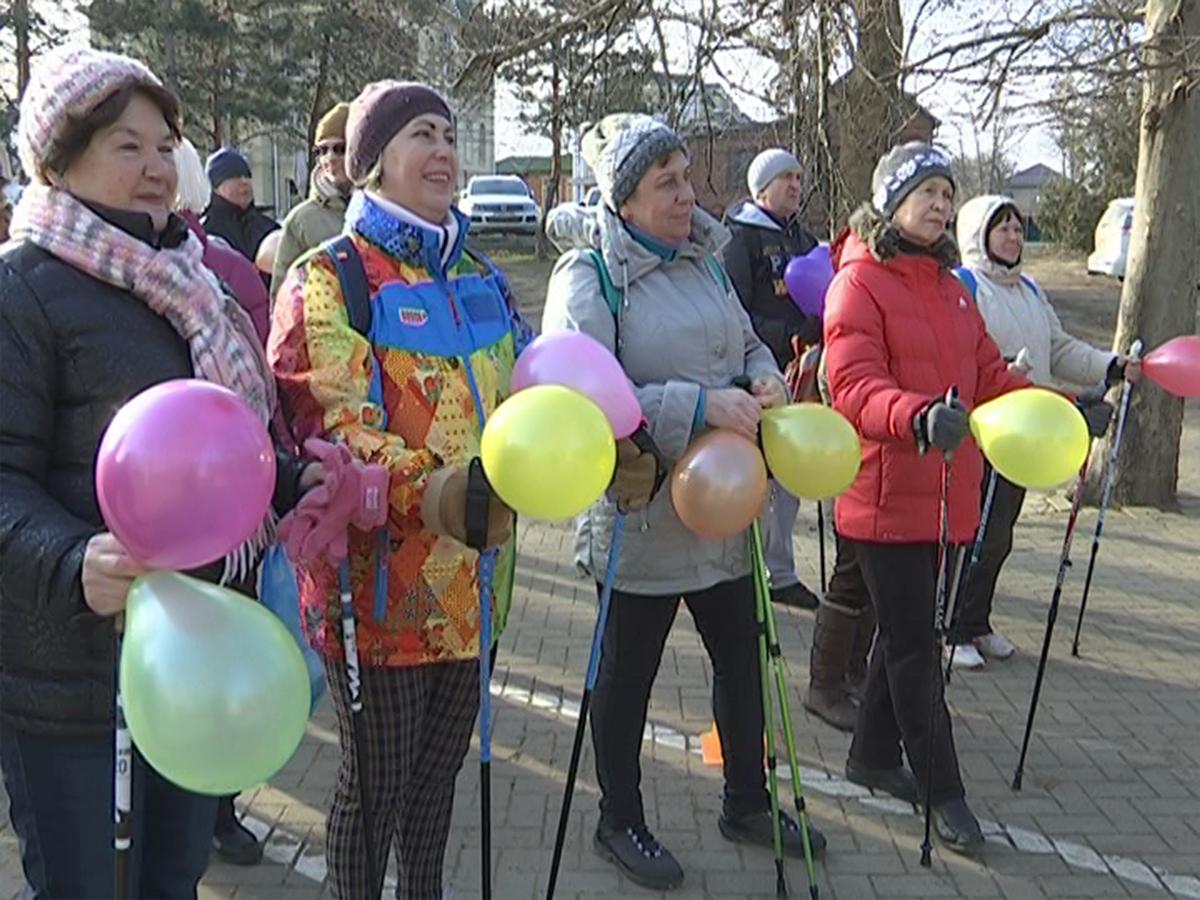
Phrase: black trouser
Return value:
(904, 669)
(632, 648)
(972, 619)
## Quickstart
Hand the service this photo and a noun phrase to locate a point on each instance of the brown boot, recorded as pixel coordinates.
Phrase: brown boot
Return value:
(833, 638)
(860, 653)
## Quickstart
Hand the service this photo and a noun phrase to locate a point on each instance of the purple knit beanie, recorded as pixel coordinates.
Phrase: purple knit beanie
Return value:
(379, 113)
(67, 84)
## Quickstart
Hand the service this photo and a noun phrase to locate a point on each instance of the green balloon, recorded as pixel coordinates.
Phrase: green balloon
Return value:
(215, 690)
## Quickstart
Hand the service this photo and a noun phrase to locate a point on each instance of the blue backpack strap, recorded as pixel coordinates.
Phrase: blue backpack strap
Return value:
(352, 277)
(967, 277)
(1031, 284)
(356, 295)
(612, 296)
(717, 271)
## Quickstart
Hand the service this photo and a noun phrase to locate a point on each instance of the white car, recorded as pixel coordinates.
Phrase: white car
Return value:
(1112, 239)
(499, 204)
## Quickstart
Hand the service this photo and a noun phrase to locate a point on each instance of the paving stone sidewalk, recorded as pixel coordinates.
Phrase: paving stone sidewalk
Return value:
(1110, 805)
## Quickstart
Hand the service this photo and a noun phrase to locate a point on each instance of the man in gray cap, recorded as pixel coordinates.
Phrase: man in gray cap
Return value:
(766, 234)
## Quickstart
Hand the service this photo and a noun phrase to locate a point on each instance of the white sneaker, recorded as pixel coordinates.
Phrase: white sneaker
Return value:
(995, 646)
(966, 656)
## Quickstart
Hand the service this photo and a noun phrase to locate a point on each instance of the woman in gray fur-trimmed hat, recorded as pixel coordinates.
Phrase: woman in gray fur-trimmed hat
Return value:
(682, 336)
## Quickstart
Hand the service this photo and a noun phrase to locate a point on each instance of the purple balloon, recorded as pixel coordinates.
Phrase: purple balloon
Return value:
(807, 279)
(185, 474)
(575, 360)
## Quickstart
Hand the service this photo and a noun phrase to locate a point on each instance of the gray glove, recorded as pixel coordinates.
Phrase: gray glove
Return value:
(942, 424)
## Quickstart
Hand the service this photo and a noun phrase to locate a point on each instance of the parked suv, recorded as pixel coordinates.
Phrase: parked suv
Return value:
(1112, 239)
(499, 204)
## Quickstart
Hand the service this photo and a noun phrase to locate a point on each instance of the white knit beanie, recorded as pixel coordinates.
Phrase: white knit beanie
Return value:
(768, 166)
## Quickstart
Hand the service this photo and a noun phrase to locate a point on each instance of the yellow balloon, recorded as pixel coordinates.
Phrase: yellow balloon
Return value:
(1033, 437)
(812, 450)
(549, 452)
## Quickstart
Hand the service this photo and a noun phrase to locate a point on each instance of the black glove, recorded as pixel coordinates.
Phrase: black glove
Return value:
(942, 424)
(1116, 372)
(1097, 413)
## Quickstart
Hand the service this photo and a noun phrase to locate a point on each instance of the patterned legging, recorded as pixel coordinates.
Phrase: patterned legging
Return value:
(418, 725)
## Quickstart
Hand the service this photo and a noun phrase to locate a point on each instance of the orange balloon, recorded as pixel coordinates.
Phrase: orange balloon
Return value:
(719, 484)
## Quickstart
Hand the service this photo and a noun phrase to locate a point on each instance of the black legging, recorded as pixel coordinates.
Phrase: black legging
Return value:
(973, 617)
(633, 643)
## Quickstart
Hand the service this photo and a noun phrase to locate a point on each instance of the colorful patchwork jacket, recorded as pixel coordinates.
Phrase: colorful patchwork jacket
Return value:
(443, 338)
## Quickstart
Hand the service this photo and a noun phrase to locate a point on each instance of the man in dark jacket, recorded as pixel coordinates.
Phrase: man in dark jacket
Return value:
(232, 215)
(766, 235)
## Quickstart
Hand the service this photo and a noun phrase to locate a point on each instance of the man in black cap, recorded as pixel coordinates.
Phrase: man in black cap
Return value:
(232, 215)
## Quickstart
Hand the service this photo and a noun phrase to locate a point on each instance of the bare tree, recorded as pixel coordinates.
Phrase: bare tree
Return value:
(1162, 277)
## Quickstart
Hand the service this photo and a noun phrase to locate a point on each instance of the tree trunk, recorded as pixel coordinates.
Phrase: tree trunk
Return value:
(550, 192)
(825, 159)
(167, 26)
(1162, 276)
(20, 17)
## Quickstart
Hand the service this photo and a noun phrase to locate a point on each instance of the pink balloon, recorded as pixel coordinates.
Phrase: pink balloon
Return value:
(1175, 366)
(575, 360)
(185, 474)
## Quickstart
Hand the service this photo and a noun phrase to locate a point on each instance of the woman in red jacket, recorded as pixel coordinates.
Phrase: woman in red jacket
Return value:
(900, 330)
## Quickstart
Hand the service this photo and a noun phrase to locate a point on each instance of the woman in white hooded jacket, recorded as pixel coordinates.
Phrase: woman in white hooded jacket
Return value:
(1019, 318)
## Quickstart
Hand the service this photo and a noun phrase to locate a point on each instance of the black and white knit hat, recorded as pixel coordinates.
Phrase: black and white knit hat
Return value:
(620, 149)
(902, 169)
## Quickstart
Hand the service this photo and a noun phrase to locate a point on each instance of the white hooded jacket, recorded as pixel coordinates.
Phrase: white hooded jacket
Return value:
(1017, 313)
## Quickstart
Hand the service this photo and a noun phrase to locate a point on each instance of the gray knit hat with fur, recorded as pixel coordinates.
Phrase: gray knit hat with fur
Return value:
(621, 148)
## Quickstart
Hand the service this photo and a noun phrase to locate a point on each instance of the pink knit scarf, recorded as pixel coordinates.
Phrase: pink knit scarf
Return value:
(176, 285)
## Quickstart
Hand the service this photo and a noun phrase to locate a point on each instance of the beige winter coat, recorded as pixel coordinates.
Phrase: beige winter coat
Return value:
(1017, 313)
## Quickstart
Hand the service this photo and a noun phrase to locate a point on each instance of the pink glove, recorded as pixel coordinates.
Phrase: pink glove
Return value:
(352, 493)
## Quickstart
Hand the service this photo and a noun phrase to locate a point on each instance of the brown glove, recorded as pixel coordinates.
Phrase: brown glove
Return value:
(444, 508)
(636, 477)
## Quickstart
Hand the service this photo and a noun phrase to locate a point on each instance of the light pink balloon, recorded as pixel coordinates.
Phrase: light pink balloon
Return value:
(1175, 366)
(575, 360)
(185, 474)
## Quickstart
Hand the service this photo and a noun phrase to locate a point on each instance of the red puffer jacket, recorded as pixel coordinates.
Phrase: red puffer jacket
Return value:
(898, 334)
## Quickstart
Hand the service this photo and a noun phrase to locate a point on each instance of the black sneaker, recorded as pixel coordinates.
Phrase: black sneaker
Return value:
(898, 782)
(643, 859)
(957, 827)
(236, 844)
(756, 829)
(796, 595)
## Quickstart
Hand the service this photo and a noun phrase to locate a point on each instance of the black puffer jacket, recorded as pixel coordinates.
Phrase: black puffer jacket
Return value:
(73, 350)
(242, 229)
(756, 258)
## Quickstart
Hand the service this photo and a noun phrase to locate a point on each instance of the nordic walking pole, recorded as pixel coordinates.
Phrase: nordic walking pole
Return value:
(122, 791)
(593, 669)
(354, 680)
(976, 552)
(1064, 563)
(1134, 352)
(776, 656)
(939, 624)
(821, 542)
(761, 601)
(487, 571)
(1023, 365)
